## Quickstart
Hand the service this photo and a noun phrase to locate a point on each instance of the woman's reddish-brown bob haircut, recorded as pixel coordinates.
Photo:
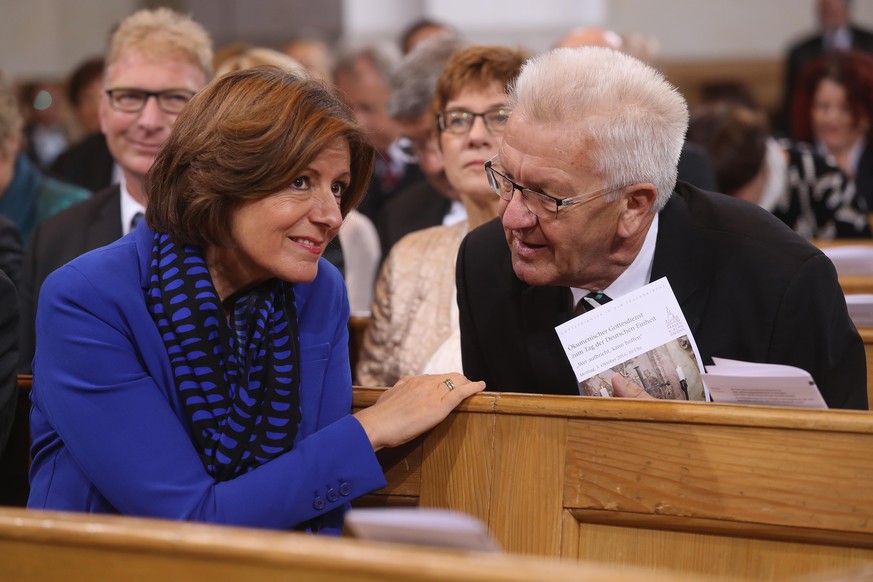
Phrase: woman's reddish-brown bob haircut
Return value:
(245, 136)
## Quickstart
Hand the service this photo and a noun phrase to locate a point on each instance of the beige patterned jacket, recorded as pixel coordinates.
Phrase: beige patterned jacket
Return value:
(413, 314)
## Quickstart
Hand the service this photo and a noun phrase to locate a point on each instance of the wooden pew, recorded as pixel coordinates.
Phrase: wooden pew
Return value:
(38, 545)
(762, 77)
(710, 489)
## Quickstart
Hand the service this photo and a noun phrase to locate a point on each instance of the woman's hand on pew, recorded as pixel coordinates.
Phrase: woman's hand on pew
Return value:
(415, 404)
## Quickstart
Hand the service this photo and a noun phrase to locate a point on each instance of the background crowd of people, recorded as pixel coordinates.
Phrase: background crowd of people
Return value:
(401, 152)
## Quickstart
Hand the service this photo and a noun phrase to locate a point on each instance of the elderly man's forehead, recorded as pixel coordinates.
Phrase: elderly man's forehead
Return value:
(546, 153)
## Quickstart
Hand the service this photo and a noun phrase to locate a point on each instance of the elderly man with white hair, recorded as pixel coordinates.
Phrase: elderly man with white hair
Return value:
(590, 204)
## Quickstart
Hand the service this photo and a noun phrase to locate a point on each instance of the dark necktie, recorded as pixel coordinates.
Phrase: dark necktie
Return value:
(137, 218)
(591, 301)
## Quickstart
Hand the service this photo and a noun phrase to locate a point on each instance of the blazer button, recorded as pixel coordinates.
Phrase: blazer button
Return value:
(332, 495)
(318, 503)
(345, 489)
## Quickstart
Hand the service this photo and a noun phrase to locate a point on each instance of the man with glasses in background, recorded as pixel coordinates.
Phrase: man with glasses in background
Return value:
(590, 210)
(155, 62)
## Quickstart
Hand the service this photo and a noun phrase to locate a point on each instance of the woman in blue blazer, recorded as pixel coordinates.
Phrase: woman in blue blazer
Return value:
(198, 368)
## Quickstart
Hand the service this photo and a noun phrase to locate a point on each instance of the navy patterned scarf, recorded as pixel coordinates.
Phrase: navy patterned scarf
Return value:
(239, 381)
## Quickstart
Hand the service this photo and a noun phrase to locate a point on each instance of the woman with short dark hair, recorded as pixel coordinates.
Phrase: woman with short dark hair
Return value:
(832, 108)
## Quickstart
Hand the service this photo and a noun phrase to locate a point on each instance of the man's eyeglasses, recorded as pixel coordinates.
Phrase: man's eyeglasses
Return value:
(133, 100)
(459, 122)
(538, 203)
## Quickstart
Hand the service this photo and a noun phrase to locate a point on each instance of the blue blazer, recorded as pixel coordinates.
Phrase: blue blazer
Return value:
(110, 434)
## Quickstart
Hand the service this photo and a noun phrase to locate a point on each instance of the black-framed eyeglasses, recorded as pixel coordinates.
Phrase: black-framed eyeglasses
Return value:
(538, 203)
(130, 100)
(459, 121)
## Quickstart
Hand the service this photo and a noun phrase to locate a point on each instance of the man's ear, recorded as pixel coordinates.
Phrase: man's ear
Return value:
(638, 201)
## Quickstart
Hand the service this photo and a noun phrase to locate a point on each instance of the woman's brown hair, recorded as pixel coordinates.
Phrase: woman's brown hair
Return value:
(477, 67)
(245, 136)
(853, 70)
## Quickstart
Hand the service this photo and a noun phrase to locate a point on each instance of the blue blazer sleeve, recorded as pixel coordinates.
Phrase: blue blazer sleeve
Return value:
(111, 435)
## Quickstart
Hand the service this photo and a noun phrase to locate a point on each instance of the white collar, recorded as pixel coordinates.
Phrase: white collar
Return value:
(854, 154)
(394, 158)
(777, 175)
(129, 206)
(838, 39)
(638, 273)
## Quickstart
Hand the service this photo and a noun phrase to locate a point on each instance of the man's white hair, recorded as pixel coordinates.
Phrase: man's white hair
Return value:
(634, 116)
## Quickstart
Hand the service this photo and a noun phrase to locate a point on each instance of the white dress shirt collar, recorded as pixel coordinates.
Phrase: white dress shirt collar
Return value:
(638, 273)
(129, 207)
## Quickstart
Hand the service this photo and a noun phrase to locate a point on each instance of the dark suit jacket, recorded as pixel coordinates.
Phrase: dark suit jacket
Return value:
(378, 193)
(11, 250)
(87, 164)
(417, 207)
(8, 357)
(749, 288)
(806, 50)
(864, 176)
(91, 224)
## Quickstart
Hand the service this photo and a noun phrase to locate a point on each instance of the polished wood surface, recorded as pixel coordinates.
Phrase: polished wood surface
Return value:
(867, 336)
(37, 545)
(761, 77)
(713, 489)
(856, 284)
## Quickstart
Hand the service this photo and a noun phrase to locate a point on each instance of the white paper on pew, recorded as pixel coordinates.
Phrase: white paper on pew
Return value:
(851, 259)
(860, 307)
(429, 527)
(756, 383)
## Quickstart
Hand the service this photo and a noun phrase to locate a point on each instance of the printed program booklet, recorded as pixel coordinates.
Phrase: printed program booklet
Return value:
(772, 384)
(644, 337)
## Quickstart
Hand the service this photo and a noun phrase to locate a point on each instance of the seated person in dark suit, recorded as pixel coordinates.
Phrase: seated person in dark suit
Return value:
(433, 201)
(8, 357)
(156, 61)
(586, 173)
(86, 163)
(837, 33)
(362, 80)
(11, 250)
(84, 90)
